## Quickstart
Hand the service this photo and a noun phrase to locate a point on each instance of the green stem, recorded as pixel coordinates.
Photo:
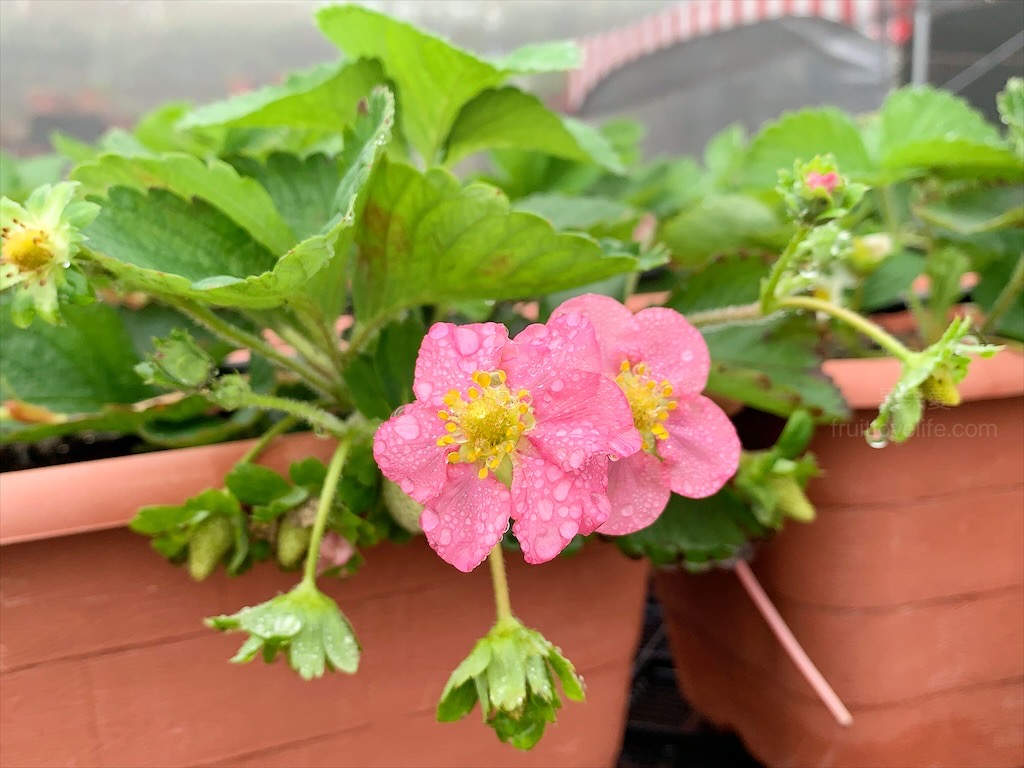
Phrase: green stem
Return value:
(323, 510)
(502, 602)
(734, 314)
(318, 418)
(768, 298)
(361, 335)
(265, 439)
(1006, 297)
(243, 339)
(889, 214)
(298, 341)
(881, 337)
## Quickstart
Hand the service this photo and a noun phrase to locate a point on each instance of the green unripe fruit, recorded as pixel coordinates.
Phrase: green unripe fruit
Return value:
(210, 541)
(292, 542)
(405, 511)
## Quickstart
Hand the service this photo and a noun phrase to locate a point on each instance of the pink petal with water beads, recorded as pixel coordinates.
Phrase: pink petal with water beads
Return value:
(407, 452)
(617, 333)
(674, 349)
(468, 517)
(580, 415)
(550, 506)
(702, 450)
(540, 353)
(450, 354)
(638, 491)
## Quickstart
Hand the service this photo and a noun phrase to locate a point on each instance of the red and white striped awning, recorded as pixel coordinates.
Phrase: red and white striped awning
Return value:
(606, 52)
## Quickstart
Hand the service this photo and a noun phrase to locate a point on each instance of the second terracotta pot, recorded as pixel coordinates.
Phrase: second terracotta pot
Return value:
(907, 592)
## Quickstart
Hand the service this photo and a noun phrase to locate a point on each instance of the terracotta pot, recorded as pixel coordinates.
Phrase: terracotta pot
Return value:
(104, 659)
(907, 592)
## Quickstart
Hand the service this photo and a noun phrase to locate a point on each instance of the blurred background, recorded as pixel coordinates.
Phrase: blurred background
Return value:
(685, 68)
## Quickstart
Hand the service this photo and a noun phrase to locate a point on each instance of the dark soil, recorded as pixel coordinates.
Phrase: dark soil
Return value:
(663, 730)
(65, 450)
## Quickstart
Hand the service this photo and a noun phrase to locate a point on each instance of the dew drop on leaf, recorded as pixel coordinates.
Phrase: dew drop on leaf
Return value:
(875, 438)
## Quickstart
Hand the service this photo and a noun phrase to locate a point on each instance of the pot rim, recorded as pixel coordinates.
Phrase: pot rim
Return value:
(87, 496)
(48, 502)
(865, 382)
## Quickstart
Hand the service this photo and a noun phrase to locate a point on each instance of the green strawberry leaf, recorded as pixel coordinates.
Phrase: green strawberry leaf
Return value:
(975, 210)
(800, 136)
(509, 118)
(695, 533)
(773, 366)
(242, 200)
(927, 128)
(425, 239)
(254, 484)
(323, 98)
(723, 224)
(434, 79)
(163, 244)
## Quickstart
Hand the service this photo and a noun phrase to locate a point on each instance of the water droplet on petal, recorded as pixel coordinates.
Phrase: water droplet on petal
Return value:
(466, 341)
(545, 508)
(561, 491)
(569, 528)
(429, 520)
(438, 331)
(407, 427)
(557, 385)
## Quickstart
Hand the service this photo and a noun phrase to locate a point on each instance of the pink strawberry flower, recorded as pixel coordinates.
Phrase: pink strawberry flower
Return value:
(501, 429)
(661, 364)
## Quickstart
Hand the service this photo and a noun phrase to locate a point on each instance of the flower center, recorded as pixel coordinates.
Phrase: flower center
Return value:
(487, 423)
(650, 400)
(26, 249)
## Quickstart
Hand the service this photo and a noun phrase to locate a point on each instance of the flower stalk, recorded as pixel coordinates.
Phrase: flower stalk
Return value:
(499, 579)
(324, 508)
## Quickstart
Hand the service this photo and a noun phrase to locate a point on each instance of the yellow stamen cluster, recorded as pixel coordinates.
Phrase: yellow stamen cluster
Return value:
(486, 424)
(651, 401)
(27, 249)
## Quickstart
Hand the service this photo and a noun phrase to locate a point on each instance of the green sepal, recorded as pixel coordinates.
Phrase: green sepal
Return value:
(305, 625)
(511, 673)
(933, 372)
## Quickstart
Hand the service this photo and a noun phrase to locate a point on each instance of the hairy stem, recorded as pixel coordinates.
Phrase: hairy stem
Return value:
(502, 602)
(317, 418)
(267, 437)
(1006, 297)
(881, 337)
(735, 314)
(323, 510)
(768, 299)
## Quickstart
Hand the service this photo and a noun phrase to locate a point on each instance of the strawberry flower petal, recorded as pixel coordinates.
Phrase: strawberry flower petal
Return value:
(617, 331)
(406, 451)
(674, 349)
(638, 491)
(580, 415)
(551, 506)
(450, 354)
(702, 450)
(468, 517)
(542, 353)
